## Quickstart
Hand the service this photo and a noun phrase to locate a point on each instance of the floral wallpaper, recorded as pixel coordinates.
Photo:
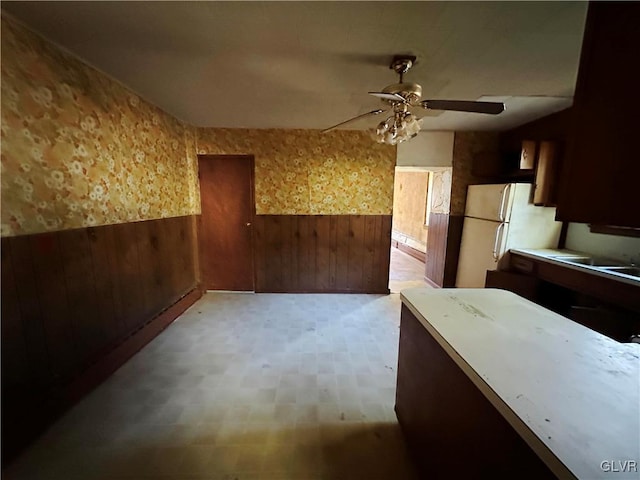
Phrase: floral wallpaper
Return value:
(305, 172)
(79, 149)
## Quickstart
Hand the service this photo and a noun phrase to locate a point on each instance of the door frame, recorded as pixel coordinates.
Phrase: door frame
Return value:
(252, 214)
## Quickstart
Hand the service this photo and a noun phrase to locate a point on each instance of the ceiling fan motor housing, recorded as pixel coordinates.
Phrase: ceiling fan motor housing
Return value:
(411, 92)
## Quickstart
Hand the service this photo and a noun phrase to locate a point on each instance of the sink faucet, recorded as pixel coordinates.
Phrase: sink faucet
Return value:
(632, 260)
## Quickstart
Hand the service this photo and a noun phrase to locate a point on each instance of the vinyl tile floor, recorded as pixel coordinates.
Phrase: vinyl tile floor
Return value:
(243, 386)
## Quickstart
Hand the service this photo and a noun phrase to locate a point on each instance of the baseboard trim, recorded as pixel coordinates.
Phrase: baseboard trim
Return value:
(67, 396)
(431, 282)
(360, 292)
(100, 371)
(417, 254)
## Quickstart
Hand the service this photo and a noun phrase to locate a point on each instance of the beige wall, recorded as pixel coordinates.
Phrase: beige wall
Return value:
(410, 205)
(79, 149)
(625, 249)
(428, 149)
(305, 172)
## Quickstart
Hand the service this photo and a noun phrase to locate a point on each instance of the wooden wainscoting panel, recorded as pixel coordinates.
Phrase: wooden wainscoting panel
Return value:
(306, 253)
(436, 247)
(369, 258)
(171, 235)
(19, 258)
(14, 349)
(288, 248)
(333, 252)
(147, 240)
(274, 242)
(356, 253)
(259, 245)
(101, 243)
(71, 299)
(452, 253)
(90, 326)
(159, 238)
(127, 273)
(322, 232)
(61, 333)
(342, 253)
(382, 253)
(185, 275)
(23, 365)
(322, 253)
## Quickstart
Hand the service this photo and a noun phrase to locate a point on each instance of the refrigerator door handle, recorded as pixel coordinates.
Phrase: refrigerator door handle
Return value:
(496, 243)
(503, 202)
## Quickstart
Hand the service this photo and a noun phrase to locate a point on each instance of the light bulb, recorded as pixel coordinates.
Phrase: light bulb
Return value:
(389, 138)
(413, 128)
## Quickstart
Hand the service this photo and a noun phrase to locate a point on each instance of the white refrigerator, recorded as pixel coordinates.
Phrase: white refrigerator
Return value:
(497, 218)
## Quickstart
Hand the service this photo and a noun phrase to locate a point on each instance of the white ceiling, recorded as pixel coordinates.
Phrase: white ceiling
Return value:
(311, 64)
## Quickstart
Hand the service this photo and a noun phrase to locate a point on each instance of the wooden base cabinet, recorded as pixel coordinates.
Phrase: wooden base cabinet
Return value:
(452, 430)
(602, 304)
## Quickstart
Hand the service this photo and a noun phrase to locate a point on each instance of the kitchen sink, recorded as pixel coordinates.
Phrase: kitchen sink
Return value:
(632, 271)
(590, 261)
(602, 264)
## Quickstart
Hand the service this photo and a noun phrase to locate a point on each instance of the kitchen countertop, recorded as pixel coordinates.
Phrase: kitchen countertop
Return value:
(549, 256)
(571, 393)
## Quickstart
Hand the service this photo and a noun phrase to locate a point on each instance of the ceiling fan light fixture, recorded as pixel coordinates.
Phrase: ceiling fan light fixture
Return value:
(413, 125)
(399, 97)
(399, 127)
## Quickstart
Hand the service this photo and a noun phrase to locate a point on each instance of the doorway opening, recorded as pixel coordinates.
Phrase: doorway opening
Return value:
(411, 210)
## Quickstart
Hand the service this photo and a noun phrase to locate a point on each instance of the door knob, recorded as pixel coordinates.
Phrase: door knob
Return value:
(248, 224)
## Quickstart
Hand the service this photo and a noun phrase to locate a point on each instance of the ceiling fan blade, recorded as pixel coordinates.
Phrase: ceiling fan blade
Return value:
(491, 108)
(372, 112)
(394, 97)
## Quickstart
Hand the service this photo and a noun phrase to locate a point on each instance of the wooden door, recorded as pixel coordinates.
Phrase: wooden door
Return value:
(226, 243)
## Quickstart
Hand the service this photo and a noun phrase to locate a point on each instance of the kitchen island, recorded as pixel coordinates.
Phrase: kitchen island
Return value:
(491, 385)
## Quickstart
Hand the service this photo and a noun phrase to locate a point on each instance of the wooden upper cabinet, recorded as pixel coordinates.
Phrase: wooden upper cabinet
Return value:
(528, 155)
(544, 189)
(600, 181)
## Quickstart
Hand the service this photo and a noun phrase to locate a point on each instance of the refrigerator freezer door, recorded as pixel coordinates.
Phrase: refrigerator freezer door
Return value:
(480, 238)
(490, 202)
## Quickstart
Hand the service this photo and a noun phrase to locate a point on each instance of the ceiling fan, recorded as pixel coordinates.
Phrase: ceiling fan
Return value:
(401, 97)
